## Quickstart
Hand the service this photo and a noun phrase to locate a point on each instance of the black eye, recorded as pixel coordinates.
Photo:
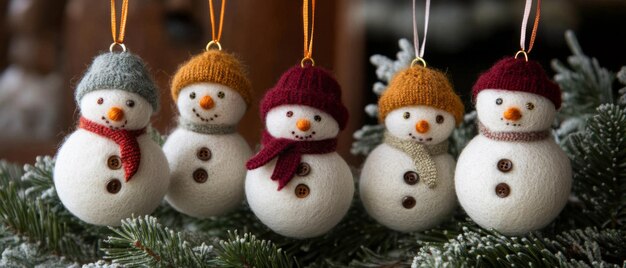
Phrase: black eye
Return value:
(130, 103)
(220, 95)
(289, 114)
(406, 115)
(317, 118)
(100, 100)
(499, 101)
(530, 106)
(439, 119)
(192, 95)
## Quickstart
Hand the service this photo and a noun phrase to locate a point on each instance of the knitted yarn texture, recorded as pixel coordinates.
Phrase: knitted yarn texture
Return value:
(130, 152)
(123, 71)
(513, 136)
(420, 86)
(210, 129)
(519, 75)
(213, 66)
(311, 86)
(421, 154)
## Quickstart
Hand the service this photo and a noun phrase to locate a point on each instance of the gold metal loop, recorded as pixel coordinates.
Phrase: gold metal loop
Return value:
(112, 46)
(420, 60)
(213, 43)
(523, 52)
(305, 60)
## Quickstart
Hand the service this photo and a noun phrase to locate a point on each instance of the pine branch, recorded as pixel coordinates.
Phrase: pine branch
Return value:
(31, 255)
(143, 241)
(248, 251)
(621, 76)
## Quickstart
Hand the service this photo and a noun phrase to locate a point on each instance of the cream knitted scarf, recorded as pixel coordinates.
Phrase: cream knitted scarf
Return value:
(421, 154)
(513, 136)
(211, 129)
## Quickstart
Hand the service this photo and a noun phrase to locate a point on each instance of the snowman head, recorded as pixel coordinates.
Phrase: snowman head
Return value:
(116, 109)
(300, 123)
(514, 111)
(420, 123)
(211, 103)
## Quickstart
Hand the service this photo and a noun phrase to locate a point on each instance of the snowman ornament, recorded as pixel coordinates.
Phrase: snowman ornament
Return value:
(513, 177)
(109, 168)
(407, 182)
(297, 184)
(205, 153)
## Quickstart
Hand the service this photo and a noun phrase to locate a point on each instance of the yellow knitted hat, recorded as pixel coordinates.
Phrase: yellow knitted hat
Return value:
(213, 66)
(420, 86)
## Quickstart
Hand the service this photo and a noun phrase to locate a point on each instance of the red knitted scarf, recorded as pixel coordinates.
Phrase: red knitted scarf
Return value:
(513, 136)
(126, 139)
(289, 154)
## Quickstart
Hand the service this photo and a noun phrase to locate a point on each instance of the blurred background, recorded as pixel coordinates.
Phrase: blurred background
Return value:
(45, 46)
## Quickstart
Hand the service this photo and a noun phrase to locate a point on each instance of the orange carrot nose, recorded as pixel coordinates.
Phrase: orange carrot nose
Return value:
(303, 124)
(115, 114)
(512, 114)
(207, 102)
(422, 126)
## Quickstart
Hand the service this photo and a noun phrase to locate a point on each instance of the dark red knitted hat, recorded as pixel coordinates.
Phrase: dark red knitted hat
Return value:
(310, 86)
(519, 75)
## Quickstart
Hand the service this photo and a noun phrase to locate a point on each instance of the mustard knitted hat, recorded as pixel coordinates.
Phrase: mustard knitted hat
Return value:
(213, 66)
(420, 86)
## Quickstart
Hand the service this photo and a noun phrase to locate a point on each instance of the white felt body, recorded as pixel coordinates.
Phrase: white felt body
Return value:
(382, 188)
(540, 183)
(224, 189)
(81, 175)
(331, 191)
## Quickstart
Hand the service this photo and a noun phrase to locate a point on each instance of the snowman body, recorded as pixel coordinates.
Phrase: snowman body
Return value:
(207, 169)
(387, 190)
(89, 175)
(321, 191)
(221, 157)
(311, 204)
(513, 186)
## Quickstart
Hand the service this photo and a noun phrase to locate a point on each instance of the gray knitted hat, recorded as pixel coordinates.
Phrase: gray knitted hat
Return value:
(123, 71)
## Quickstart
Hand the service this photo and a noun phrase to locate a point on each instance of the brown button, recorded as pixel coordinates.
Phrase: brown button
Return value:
(114, 186)
(114, 162)
(505, 165)
(411, 177)
(408, 202)
(200, 175)
(302, 191)
(204, 154)
(503, 190)
(303, 169)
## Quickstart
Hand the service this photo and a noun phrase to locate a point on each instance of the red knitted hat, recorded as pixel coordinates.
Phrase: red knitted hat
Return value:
(519, 75)
(310, 86)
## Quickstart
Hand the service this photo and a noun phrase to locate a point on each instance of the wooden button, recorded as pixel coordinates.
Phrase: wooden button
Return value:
(114, 186)
(503, 190)
(302, 191)
(114, 162)
(408, 202)
(204, 154)
(505, 165)
(411, 177)
(200, 175)
(303, 169)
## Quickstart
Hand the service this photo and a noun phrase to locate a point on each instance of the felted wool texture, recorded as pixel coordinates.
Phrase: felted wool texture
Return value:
(280, 125)
(420, 86)
(519, 75)
(224, 189)
(123, 71)
(331, 191)
(491, 114)
(135, 117)
(382, 189)
(227, 110)
(405, 128)
(309, 86)
(81, 175)
(540, 183)
(213, 66)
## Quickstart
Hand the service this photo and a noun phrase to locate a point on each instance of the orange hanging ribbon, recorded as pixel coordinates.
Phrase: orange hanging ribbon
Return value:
(533, 34)
(308, 45)
(119, 39)
(219, 32)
